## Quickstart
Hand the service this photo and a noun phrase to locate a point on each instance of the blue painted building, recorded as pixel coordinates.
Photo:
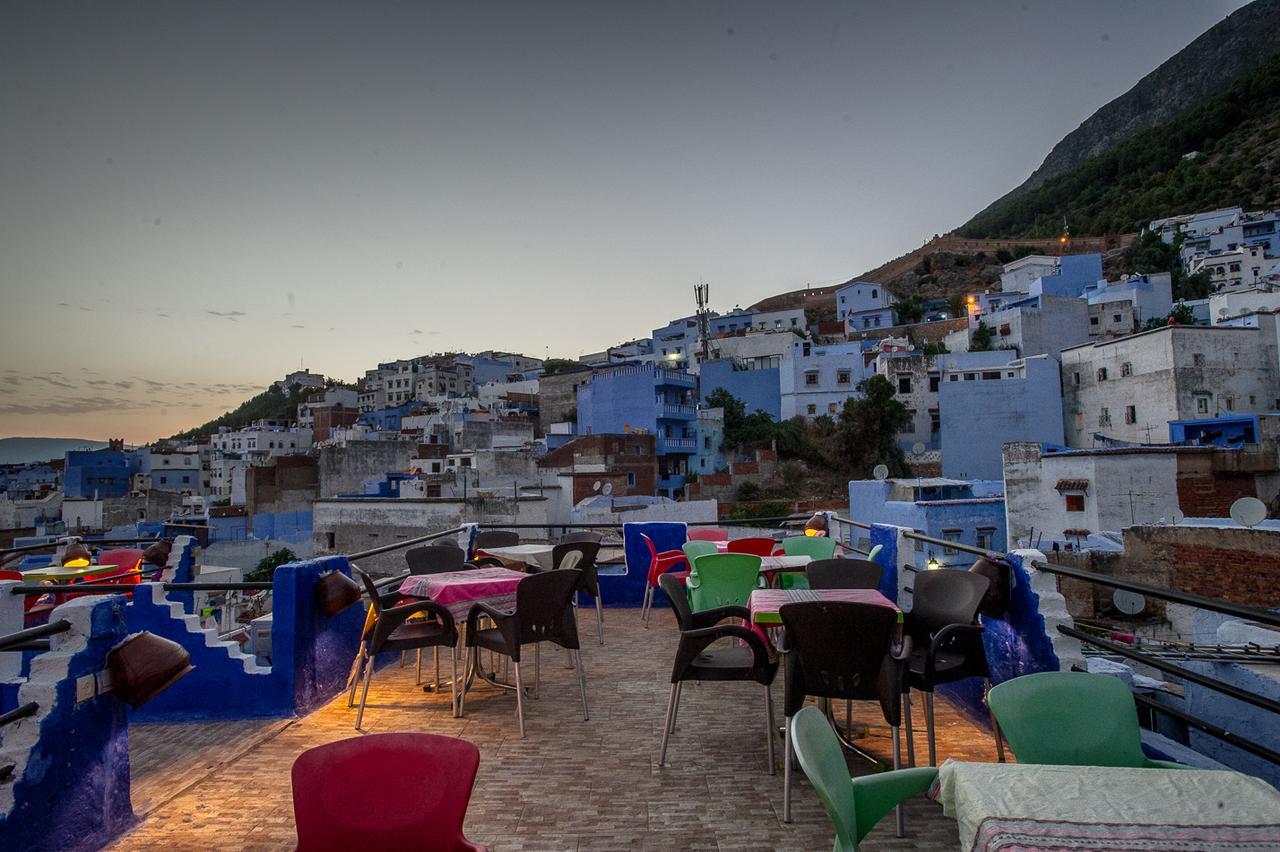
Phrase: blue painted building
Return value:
(386, 419)
(983, 409)
(21, 481)
(871, 318)
(1076, 272)
(710, 437)
(758, 389)
(970, 513)
(648, 399)
(105, 473)
(1230, 431)
(675, 344)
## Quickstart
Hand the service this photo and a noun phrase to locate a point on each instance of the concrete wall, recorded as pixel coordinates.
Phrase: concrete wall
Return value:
(343, 470)
(557, 396)
(758, 389)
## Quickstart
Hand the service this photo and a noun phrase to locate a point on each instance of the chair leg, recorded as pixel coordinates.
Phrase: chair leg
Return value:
(906, 717)
(644, 606)
(582, 684)
(462, 688)
(898, 813)
(672, 698)
(676, 712)
(537, 668)
(435, 658)
(453, 683)
(995, 726)
(928, 719)
(768, 726)
(364, 693)
(599, 618)
(356, 671)
(520, 699)
(848, 720)
(417, 681)
(786, 771)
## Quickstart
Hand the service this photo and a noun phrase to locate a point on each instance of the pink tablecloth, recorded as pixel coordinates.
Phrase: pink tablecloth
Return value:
(456, 591)
(765, 603)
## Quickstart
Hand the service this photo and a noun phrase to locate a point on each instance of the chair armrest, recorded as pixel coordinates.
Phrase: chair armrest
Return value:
(504, 621)
(1152, 763)
(876, 795)
(395, 616)
(704, 636)
(710, 617)
(940, 638)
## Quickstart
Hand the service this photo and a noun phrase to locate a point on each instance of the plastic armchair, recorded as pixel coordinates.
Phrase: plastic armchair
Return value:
(723, 579)
(659, 564)
(385, 791)
(580, 554)
(708, 534)
(815, 547)
(854, 805)
(747, 660)
(1071, 719)
(391, 631)
(435, 560)
(695, 548)
(758, 546)
(843, 574)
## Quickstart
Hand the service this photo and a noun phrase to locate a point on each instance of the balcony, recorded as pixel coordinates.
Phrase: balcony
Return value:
(675, 378)
(676, 445)
(678, 411)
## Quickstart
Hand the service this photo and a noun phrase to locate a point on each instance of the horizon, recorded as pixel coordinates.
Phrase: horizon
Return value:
(201, 199)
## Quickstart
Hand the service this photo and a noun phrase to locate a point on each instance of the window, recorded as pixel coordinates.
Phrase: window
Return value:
(990, 374)
(805, 348)
(1126, 369)
(842, 377)
(904, 384)
(1075, 379)
(1093, 320)
(1234, 267)
(875, 294)
(1102, 374)
(832, 408)
(984, 537)
(1115, 318)
(953, 378)
(1130, 414)
(1202, 403)
(935, 421)
(1104, 417)
(631, 480)
(706, 442)
(1197, 360)
(933, 382)
(968, 377)
(1074, 502)
(811, 377)
(1230, 403)
(950, 535)
(1005, 331)
(813, 409)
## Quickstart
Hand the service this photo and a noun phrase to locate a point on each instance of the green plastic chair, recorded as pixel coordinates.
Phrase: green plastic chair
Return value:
(1071, 719)
(815, 547)
(723, 579)
(855, 805)
(694, 549)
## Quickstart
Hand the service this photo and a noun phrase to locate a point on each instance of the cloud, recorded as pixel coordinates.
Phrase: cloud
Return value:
(227, 315)
(124, 385)
(291, 299)
(416, 331)
(73, 406)
(97, 382)
(64, 304)
(159, 314)
(55, 382)
(299, 326)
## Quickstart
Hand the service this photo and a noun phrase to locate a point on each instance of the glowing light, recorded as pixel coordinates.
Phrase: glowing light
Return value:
(934, 564)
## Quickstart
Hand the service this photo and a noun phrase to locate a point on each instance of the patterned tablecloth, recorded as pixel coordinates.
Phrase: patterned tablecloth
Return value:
(1007, 806)
(765, 603)
(456, 591)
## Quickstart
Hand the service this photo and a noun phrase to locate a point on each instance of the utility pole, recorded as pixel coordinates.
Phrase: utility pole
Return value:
(702, 295)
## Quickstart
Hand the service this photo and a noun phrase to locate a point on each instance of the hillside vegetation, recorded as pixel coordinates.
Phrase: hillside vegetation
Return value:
(271, 404)
(1236, 139)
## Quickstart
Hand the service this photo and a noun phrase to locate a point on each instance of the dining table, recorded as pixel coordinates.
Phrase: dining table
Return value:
(541, 555)
(66, 574)
(458, 591)
(1005, 806)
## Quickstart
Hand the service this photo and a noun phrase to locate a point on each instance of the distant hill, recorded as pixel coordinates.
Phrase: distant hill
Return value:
(1225, 52)
(271, 404)
(23, 450)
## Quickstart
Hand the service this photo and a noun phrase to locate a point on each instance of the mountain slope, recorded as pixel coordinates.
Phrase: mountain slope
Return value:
(1233, 47)
(1222, 152)
(271, 404)
(23, 450)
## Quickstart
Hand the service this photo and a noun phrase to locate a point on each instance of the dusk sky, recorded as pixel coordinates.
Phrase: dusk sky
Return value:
(198, 197)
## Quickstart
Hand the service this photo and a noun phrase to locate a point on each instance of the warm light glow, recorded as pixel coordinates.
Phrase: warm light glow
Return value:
(810, 532)
(76, 563)
(971, 299)
(934, 565)
(1062, 240)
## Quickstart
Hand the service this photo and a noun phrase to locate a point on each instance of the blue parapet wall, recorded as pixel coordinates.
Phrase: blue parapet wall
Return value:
(887, 538)
(71, 784)
(629, 590)
(311, 654)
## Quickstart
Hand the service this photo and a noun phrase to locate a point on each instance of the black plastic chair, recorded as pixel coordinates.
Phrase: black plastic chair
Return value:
(582, 536)
(845, 651)
(435, 560)
(585, 561)
(844, 574)
(496, 538)
(446, 542)
(738, 662)
(947, 642)
(543, 613)
(390, 631)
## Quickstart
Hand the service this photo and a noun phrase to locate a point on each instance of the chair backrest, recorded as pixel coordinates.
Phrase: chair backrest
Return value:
(678, 596)
(1068, 718)
(941, 597)
(708, 534)
(695, 548)
(447, 542)
(844, 574)
(370, 589)
(841, 650)
(653, 548)
(127, 560)
(435, 560)
(384, 791)
(543, 607)
(755, 546)
(724, 579)
(822, 760)
(582, 536)
(815, 547)
(575, 554)
(497, 538)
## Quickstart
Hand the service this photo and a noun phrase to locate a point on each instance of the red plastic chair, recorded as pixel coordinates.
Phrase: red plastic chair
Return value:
(659, 564)
(128, 560)
(32, 610)
(386, 792)
(755, 546)
(708, 534)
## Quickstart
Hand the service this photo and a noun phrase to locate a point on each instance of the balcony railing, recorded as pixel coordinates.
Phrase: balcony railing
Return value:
(676, 445)
(673, 377)
(679, 411)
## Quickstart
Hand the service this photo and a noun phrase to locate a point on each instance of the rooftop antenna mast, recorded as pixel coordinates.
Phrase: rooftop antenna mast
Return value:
(702, 294)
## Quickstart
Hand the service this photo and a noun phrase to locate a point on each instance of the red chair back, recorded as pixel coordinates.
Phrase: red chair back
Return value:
(653, 549)
(28, 601)
(754, 546)
(385, 791)
(128, 560)
(708, 534)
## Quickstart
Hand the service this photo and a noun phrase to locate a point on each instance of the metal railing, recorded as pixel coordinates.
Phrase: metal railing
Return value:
(5, 552)
(20, 712)
(9, 641)
(120, 589)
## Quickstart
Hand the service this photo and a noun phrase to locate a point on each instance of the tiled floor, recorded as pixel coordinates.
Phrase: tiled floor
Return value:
(571, 785)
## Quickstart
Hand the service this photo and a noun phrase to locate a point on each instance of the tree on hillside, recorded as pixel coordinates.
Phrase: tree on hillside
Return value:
(551, 366)
(909, 309)
(866, 433)
(982, 338)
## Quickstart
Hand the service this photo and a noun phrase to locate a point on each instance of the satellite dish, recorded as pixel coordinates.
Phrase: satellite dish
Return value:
(918, 448)
(1130, 603)
(608, 489)
(1248, 511)
(880, 471)
(951, 363)
(1176, 517)
(595, 486)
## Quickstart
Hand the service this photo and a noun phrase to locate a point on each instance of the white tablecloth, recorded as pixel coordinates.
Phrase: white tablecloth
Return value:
(535, 554)
(1105, 807)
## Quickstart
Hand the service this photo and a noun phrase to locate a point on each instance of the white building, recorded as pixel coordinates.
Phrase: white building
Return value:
(1129, 389)
(1037, 325)
(857, 296)
(818, 379)
(262, 441)
(1019, 274)
(326, 399)
(302, 379)
(916, 379)
(1192, 225)
(1232, 304)
(788, 320)
(1148, 296)
(1239, 268)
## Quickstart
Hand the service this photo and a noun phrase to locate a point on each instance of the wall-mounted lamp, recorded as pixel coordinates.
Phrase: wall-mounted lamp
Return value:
(144, 665)
(933, 564)
(817, 525)
(76, 555)
(158, 553)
